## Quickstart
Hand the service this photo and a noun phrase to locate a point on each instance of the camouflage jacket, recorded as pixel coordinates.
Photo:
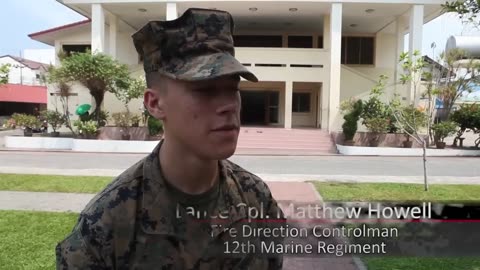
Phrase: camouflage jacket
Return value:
(134, 224)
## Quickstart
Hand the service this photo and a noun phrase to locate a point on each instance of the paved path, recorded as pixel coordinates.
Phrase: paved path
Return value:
(271, 168)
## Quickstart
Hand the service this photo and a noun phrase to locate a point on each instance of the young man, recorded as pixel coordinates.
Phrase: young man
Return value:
(178, 207)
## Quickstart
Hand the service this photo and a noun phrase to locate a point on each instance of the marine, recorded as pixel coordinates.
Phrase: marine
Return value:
(140, 220)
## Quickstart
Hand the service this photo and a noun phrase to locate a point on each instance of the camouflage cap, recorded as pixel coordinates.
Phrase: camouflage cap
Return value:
(196, 46)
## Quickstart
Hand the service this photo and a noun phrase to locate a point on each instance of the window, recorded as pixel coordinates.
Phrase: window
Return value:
(358, 50)
(300, 42)
(257, 41)
(301, 102)
(69, 49)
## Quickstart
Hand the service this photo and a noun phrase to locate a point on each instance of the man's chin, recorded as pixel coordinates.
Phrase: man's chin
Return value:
(223, 152)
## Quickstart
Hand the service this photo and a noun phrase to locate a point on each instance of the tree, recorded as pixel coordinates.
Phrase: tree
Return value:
(409, 118)
(467, 10)
(461, 75)
(98, 72)
(4, 70)
(64, 92)
(134, 88)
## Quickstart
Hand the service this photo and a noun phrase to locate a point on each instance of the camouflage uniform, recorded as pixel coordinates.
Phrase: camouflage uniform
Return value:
(139, 221)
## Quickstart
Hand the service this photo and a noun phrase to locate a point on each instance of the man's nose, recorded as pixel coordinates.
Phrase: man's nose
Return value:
(229, 103)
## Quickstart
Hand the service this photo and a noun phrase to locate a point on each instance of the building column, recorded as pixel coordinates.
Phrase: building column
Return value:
(113, 30)
(98, 29)
(288, 104)
(171, 11)
(335, 62)
(415, 44)
(400, 33)
(58, 49)
(326, 31)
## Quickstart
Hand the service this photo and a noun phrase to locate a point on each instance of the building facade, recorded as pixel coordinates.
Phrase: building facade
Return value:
(25, 91)
(308, 55)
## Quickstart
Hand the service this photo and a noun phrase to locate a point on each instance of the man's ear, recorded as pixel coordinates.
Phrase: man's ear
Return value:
(155, 103)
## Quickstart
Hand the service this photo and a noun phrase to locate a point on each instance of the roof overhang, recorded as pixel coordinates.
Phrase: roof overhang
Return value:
(23, 93)
(50, 35)
(307, 15)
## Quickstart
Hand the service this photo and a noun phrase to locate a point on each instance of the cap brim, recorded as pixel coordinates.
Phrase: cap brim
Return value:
(211, 66)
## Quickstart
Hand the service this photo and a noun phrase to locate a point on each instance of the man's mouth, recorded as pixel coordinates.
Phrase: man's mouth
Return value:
(226, 128)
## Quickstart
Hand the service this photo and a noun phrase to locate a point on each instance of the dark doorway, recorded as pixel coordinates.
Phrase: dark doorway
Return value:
(259, 107)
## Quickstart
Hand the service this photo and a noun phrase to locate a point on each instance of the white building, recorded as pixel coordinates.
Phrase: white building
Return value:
(24, 71)
(308, 55)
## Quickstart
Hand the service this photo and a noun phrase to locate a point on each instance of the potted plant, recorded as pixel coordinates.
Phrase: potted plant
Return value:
(442, 130)
(412, 120)
(135, 120)
(28, 122)
(55, 119)
(11, 123)
(87, 129)
(376, 126)
(122, 120)
(350, 125)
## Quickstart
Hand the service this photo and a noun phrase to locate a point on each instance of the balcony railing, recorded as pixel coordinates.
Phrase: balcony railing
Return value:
(283, 57)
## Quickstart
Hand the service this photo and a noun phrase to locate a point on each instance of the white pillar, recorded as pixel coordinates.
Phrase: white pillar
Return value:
(58, 49)
(335, 62)
(325, 106)
(326, 31)
(400, 32)
(171, 11)
(98, 29)
(415, 43)
(113, 29)
(288, 104)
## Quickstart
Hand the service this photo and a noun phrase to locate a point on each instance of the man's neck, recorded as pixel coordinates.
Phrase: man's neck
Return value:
(185, 171)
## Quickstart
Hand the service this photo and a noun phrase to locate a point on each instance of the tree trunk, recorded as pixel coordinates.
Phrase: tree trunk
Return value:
(425, 181)
(98, 105)
(66, 112)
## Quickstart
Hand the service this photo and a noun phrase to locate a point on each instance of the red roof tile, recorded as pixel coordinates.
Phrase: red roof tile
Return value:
(23, 93)
(59, 28)
(30, 63)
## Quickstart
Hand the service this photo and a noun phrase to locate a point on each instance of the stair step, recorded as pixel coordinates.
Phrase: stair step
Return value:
(285, 141)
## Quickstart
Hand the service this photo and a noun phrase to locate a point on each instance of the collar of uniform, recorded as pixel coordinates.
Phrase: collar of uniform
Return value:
(159, 213)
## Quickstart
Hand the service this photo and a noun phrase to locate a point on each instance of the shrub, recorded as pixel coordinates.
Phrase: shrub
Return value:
(350, 125)
(377, 125)
(54, 118)
(444, 129)
(467, 116)
(155, 126)
(411, 119)
(86, 129)
(135, 120)
(121, 119)
(26, 121)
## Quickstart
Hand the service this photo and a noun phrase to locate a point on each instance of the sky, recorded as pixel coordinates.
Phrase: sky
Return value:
(19, 18)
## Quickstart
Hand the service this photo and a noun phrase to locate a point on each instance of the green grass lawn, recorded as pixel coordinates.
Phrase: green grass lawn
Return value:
(399, 192)
(29, 238)
(396, 192)
(422, 263)
(53, 183)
